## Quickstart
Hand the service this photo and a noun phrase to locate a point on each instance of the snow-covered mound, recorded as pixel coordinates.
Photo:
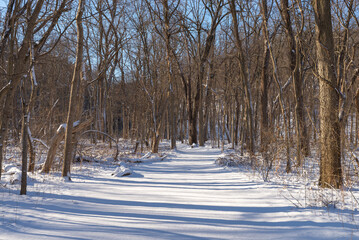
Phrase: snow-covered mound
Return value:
(14, 173)
(148, 157)
(122, 171)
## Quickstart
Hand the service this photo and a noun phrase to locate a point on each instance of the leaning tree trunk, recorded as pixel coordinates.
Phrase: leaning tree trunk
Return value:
(69, 145)
(330, 162)
(56, 140)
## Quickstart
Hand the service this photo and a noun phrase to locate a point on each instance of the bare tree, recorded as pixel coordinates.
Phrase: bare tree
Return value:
(74, 94)
(18, 52)
(194, 102)
(295, 56)
(243, 71)
(330, 160)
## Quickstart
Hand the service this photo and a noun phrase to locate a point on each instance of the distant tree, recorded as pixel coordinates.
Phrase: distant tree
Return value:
(295, 56)
(194, 101)
(244, 76)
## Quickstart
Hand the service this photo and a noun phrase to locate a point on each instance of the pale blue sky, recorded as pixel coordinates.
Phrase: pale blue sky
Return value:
(3, 3)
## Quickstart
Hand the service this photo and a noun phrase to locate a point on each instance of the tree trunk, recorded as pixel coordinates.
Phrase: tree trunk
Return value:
(243, 76)
(155, 143)
(236, 131)
(32, 154)
(55, 141)
(264, 131)
(173, 122)
(24, 152)
(295, 62)
(330, 161)
(357, 114)
(75, 86)
(171, 112)
(201, 123)
(192, 121)
(16, 65)
(3, 129)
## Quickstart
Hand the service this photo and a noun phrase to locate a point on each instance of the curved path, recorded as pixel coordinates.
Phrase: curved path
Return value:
(184, 197)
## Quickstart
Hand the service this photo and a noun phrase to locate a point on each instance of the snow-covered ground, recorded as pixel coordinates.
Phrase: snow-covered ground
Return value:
(185, 196)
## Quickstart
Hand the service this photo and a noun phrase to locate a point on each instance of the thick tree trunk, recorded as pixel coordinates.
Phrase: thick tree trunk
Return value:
(330, 162)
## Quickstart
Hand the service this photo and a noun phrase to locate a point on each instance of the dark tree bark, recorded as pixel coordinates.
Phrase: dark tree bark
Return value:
(330, 161)
(24, 151)
(264, 124)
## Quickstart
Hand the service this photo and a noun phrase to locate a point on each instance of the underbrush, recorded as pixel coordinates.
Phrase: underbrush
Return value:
(90, 155)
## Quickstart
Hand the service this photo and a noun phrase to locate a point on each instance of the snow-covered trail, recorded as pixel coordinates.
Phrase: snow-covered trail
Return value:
(184, 197)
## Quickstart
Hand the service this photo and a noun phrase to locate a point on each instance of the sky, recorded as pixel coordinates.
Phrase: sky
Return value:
(3, 3)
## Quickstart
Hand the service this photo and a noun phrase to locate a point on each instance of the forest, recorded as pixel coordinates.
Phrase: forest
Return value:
(179, 119)
(275, 79)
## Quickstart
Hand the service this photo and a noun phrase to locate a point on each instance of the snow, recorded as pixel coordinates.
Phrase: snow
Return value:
(61, 127)
(64, 125)
(122, 171)
(11, 168)
(34, 76)
(184, 196)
